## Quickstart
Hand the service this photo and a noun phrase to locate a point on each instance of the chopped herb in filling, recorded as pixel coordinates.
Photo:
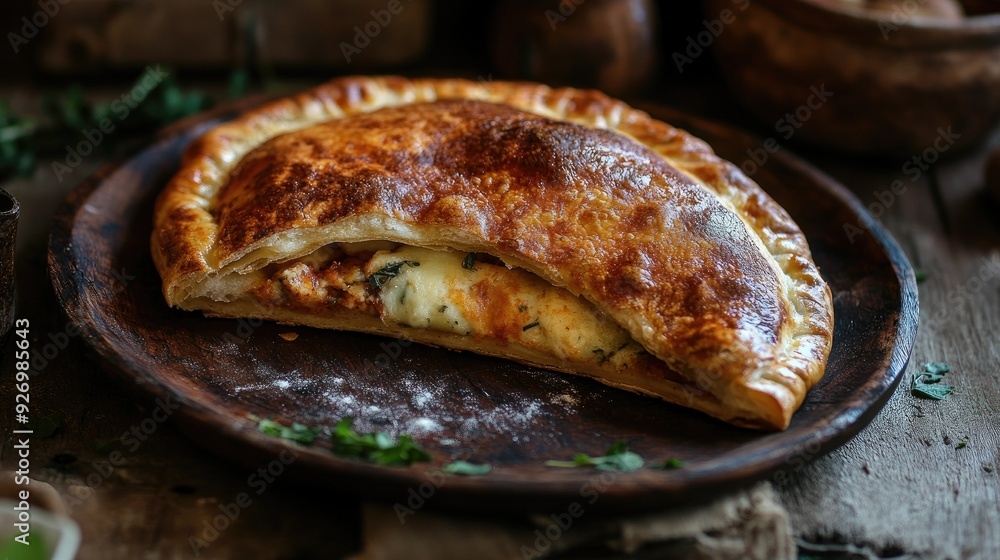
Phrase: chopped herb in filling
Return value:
(387, 273)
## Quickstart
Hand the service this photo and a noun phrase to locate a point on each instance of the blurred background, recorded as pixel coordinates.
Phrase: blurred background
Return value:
(301, 38)
(898, 70)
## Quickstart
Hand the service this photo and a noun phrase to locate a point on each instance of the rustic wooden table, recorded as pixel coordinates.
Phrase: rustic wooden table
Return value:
(906, 487)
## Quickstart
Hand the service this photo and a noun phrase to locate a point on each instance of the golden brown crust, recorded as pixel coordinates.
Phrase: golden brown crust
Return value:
(676, 245)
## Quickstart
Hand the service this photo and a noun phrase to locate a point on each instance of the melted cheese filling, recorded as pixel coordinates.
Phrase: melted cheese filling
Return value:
(451, 292)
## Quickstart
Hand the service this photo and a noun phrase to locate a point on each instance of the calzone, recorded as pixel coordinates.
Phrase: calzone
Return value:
(555, 227)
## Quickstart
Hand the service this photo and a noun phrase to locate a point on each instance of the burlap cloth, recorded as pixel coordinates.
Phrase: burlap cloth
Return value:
(747, 525)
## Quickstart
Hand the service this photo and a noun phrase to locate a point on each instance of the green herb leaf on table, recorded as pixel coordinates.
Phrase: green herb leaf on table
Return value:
(579, 460)
(616, 458)
(937, 367)
(617, 448)
(927, 383)
(961, 444)
(466, 468)
(375, 447)
(299, 433)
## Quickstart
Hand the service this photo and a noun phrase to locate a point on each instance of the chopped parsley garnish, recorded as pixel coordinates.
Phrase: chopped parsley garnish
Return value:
(616, 458)
(375, 447)
(530, 325)
(961, 444)
(466, 468)
(919, 276)
(672, 463)
(469, 262)
(387, 273)
(299, 433)
(927, 383)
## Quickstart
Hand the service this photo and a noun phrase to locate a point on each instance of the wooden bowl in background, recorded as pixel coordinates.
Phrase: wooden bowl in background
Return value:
(605, 44)
(898, 83)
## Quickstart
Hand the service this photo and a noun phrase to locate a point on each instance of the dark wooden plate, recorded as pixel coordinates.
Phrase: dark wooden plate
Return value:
(460, 405)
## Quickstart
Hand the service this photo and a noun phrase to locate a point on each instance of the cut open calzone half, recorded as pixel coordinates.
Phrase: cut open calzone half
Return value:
(555, 227)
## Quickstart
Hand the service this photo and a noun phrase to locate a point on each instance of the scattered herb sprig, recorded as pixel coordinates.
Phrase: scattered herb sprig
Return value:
(17, 156)
(381, 449)
(67, 115)
(466, 468)
(376, 447)
(672, 463)
(616, 458)
(299, 433)
(383, 275)
(927, 384)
